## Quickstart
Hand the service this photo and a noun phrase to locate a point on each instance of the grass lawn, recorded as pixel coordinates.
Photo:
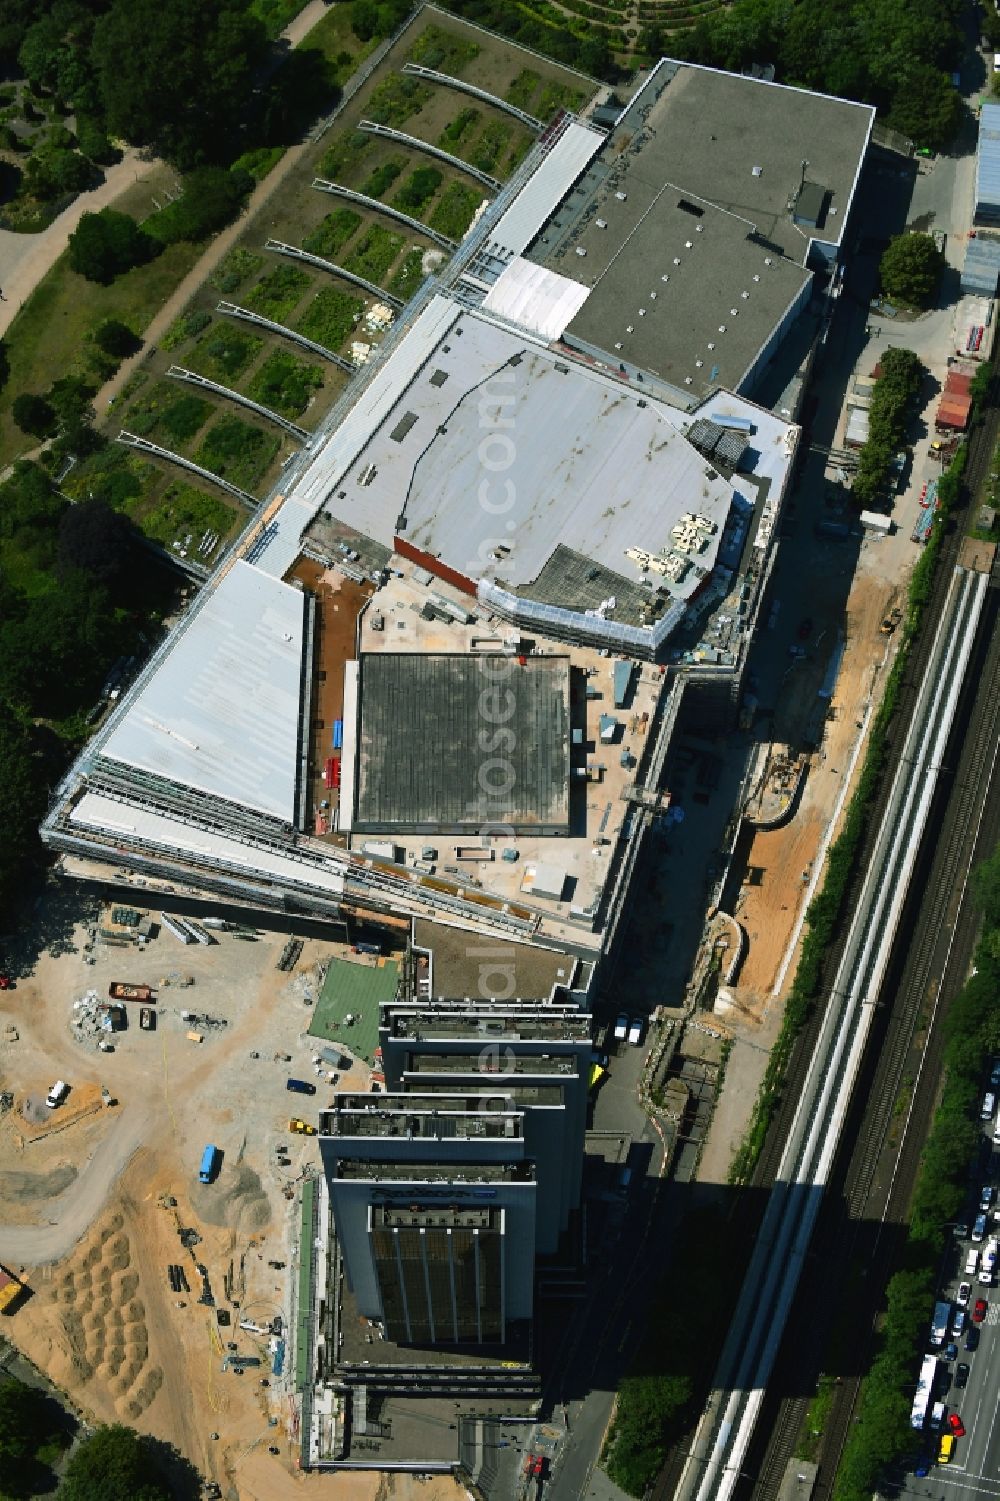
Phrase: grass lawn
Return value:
(237, 452)
(183, 510)
(285, 384)
(334, 37)
(374, 253)
(444, 51)
(334, 232)
(454, 210)
(168, 413)
(47, 338)
(276, 294)
(331, 317)
(397, 99)
(224, 352)
(409, 276)
(236, 268)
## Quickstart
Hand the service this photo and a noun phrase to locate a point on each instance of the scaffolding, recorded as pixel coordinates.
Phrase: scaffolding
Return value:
(177, 372)
(232, 310)
(376, 207)
(416, 144)
(448, 82)
(144, 446)
(280, 248)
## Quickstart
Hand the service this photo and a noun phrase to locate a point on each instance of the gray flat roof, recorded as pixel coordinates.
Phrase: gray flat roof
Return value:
(689, 297)
(429, 750)
(743, 154)
(468, 967)
(221, 712)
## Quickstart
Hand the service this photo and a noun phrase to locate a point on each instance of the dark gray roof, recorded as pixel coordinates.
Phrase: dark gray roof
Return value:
(431, 755)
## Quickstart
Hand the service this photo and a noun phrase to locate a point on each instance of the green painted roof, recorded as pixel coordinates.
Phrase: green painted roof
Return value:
(303, 1306)
(353, 988)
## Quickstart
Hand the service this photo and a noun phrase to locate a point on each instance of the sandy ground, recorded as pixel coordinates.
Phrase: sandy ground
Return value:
(786, 862)
(82, 1202)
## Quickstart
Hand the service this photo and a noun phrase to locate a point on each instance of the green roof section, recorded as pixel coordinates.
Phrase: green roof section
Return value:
(303, 1305)
(354, 988)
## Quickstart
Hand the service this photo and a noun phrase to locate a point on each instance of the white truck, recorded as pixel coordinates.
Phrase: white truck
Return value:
(940, 1322)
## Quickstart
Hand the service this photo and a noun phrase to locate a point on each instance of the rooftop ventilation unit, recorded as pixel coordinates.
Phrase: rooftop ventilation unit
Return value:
(629, 328)
(677, 260)
(733, 311)
(642, 312)
(698, 364)
(665, 277)
(687, 380)
(722, 328)
(688, 244)
(621, 196)
(601, 223)
(581, 250)
(711, 346)
(652, 296)
(767, 260)
(758, 171)
(699, 229)
(619, 344)
(756, 276)
(745, 296)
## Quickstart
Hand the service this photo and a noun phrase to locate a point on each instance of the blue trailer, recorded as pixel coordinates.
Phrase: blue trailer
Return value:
(338, 734)
(209, 1163)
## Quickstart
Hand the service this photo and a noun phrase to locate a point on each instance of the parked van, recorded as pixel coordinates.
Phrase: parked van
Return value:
(958, 1323)
(978, 1229)
(989, 1264)
(945, 1448)
(988, 1107)
(972, 1264)
(937, 1417)
(300, 1086)
(57, 1094)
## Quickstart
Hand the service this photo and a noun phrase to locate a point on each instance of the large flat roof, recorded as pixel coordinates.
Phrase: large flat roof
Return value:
(471, 429)
(221, 712)
(429, 753)
(701, 182)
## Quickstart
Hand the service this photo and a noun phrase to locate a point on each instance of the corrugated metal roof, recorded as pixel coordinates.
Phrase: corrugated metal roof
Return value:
(536, 299)
(982, 266)
(97, 812)
(571, 153)
(221, 713)
(988, 157)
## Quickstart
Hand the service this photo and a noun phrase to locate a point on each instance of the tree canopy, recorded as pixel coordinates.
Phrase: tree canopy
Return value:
(114, 1464)
(105, 244)
(177, 77)
(96, 539)
(911, 269)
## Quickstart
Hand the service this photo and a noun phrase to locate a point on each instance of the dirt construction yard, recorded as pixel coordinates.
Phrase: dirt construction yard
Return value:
(92, 1196)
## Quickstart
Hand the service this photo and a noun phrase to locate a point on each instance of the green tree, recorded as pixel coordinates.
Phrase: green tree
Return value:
(96, 539)
(177, 77)
(55, 170)
(93, 140)
(364, 19)
(113, 1465)
(105, 244)
(23, 796)
(25, 1416)
(211, 199)
(33, 414)
(911, 268)
(116, 339)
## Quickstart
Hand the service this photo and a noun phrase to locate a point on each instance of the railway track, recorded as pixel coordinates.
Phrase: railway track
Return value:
(969, 821)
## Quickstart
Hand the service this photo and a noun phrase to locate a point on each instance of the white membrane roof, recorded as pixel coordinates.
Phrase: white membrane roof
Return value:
(221, 714)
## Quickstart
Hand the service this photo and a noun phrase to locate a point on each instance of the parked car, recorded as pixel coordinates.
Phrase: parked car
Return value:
(959, 1319)
(962, 1374)
(988, 1108)
(979, 1312)
(621, 1026)
(951, 1350)
(956, 1425)
(964, 1294)
(804, 628)
(995, 1074)
(300, 1086)
(635, 1031)
(986, 1196)
(147, 1018)
(972, 1338)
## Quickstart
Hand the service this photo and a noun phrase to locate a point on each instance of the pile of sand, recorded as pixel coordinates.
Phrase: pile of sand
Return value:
(104, 1322)
(235, 1201)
